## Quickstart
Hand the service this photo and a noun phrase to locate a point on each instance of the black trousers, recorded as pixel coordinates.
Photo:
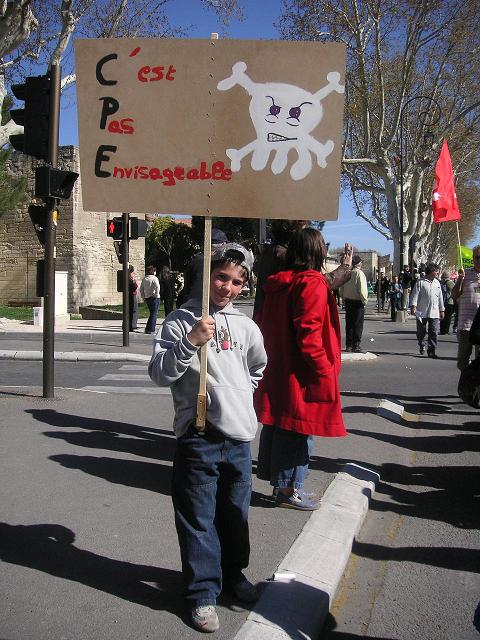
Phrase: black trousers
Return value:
(354, 316)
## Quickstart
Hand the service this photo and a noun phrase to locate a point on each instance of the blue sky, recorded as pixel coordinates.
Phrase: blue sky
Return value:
(260, 16)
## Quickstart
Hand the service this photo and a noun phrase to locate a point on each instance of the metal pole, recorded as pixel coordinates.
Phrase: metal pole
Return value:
(50, 241)
(379, 293)
(125, 280)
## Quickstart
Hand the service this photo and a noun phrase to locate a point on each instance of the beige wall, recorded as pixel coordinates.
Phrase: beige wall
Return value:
(83, 249)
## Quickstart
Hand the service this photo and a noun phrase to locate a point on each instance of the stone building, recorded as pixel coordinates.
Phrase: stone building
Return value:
(83, 249)
(370, 263)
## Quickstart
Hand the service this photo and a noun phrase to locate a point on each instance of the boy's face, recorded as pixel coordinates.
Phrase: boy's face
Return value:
(226, 282)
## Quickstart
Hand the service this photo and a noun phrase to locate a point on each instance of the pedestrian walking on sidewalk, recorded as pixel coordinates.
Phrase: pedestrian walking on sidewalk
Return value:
(150, 292)
(395, 293)
(427, 306)
(355, 294)
(299, 396)
(212, 468)
(167, 289)
(447, 285)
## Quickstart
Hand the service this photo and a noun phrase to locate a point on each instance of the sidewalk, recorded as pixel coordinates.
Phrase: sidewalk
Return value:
(139, 350)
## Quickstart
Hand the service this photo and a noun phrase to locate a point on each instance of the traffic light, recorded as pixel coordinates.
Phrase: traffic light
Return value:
(40, 279)
(35, 117)
(120, 281)
(53, 183)
(118, 246)
(115, 228)
(38, 216)
(138, 228)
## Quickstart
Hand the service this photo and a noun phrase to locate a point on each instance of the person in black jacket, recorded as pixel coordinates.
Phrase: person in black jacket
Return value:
(167, 289)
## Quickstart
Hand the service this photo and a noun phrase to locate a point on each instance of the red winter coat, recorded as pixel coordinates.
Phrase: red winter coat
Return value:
(301, 329)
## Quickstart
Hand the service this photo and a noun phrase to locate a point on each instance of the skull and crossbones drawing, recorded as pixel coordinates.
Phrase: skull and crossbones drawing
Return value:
(283, 116)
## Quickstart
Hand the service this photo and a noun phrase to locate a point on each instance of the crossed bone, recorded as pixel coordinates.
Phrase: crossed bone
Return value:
(241, 78)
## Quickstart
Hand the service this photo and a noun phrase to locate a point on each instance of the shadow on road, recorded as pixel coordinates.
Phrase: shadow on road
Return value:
(49, 548)
(130, 473)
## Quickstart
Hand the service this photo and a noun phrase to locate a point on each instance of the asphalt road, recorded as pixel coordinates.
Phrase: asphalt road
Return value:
(87, 537)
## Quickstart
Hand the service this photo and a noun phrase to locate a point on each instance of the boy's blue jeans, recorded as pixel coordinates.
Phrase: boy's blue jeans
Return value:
(283, 457)
(211, 490)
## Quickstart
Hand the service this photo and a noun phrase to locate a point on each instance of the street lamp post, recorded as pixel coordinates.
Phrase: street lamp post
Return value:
(427, 119)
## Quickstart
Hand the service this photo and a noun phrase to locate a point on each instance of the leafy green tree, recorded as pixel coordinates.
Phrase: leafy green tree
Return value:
(170, 243)
(243, 230)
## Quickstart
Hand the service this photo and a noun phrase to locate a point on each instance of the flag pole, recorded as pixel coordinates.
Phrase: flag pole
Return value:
(459, 245)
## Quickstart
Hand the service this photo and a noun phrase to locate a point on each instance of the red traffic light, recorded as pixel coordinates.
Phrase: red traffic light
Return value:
(115, 228)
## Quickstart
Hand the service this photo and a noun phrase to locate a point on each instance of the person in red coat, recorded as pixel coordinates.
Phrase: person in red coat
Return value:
(299, 395)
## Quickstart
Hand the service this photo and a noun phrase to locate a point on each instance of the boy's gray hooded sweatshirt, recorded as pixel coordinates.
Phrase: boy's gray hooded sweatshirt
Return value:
(236, 360)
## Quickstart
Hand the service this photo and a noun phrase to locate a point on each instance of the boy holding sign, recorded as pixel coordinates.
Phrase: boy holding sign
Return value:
(211, 484)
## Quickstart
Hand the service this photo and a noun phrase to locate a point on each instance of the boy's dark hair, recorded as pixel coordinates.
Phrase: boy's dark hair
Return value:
(232, 253)
(231, 258)
(306, 250)
(151, 271)
(430, 268)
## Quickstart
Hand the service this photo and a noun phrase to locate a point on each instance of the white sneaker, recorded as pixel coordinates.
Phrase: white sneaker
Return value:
(205, 618)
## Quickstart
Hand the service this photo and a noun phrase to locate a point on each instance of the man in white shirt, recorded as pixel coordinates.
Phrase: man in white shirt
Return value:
(355, 295)
(427, 305)
(150, 292)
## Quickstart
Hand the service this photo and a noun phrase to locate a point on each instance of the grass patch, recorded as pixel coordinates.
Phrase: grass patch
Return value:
(16, 313)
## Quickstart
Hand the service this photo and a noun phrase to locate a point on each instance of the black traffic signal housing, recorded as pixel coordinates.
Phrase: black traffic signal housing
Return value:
(115, 228)
(120, 281)
(38, 216)
(53, 183)
(118, 246)
(138, 228)
(35, 117)
(40, 279)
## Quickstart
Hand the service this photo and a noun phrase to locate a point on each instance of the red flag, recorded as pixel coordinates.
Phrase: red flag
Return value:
(444, 200)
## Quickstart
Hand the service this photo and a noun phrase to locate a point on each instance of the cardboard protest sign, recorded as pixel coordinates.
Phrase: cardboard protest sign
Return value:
(218, 128)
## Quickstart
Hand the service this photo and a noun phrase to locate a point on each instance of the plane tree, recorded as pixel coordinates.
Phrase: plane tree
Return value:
(411, 81)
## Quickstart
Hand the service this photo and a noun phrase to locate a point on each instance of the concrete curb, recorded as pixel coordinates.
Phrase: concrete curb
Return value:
(76, 356)
(355, 357)
(297, 608)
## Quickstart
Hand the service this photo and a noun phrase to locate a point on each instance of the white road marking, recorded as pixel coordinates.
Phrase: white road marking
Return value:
(140, 390)
(134, 367)
(126, 376)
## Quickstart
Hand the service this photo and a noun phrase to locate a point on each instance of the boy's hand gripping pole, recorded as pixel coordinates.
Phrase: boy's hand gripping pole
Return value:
(201, 417)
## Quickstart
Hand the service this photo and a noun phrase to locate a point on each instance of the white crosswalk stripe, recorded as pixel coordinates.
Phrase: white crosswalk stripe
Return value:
(163, 391)
(126, 376)
(134, 376)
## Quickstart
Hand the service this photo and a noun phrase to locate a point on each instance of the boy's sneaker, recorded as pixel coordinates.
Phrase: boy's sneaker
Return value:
(205, 618)
(310, 494)
(298, 500)
(245, 591)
